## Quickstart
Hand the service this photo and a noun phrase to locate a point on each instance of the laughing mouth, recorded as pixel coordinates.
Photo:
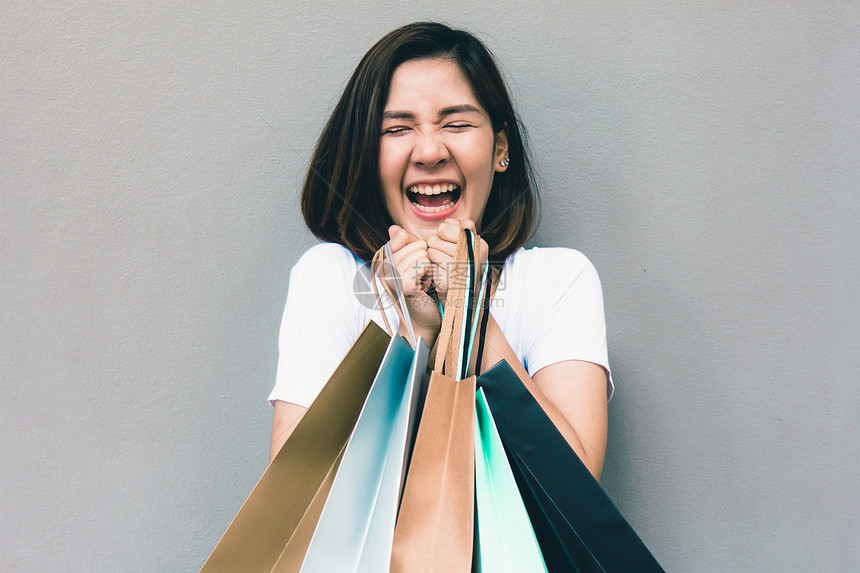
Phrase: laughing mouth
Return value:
(434, 198)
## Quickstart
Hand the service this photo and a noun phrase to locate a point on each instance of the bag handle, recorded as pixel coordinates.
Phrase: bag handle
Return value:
(452, 319)
(488, 286)
(481, 315)
(463, 310)
(398, 301)
(468, 311)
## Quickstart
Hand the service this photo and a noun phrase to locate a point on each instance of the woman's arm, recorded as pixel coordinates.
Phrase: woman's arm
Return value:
(319, 325)
(574, 388)
(286, 418)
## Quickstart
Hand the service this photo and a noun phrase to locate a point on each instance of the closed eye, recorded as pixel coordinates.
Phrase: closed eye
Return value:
(394, 130)
(458, 126)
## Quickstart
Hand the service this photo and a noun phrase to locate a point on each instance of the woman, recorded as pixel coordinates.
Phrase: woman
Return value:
(424, 142)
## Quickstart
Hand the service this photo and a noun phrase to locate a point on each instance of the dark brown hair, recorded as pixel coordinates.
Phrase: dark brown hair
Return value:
(342, 199)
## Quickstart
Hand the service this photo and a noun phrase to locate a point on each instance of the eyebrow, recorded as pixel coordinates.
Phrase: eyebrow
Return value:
(462, 108)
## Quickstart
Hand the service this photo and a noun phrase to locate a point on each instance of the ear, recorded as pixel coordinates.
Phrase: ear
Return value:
(501, 150)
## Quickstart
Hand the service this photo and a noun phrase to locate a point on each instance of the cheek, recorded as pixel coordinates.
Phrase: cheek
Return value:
(390, 180)
(481, 152)
(392, 164)
(483, 168)
(384, 162)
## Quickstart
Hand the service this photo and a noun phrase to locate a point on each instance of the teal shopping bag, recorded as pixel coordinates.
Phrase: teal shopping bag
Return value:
(356, 527)
(506, 542)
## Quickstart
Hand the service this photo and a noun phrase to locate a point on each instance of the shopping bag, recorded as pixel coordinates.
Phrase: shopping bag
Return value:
(257, 535)
(383, 420)
(505, 541)
(577, 525)
(294, 552)
(435, 525)
(356, 527)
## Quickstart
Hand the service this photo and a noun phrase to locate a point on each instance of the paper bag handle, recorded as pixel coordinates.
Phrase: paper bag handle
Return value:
(398, 301)
(463, 309)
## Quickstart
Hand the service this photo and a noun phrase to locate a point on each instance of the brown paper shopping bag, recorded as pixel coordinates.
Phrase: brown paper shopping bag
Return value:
(435, 526)
(293, 554)
(256, 538)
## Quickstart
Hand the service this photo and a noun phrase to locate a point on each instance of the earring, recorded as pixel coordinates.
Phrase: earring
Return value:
(504, 162)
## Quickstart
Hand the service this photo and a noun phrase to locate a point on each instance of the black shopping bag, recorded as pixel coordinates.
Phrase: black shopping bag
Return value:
(577, 525)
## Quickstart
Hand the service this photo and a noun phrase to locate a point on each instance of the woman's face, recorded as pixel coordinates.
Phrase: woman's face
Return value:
(438, 153)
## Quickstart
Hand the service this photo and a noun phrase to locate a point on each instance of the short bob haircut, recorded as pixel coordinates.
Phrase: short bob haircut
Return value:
(342, 199)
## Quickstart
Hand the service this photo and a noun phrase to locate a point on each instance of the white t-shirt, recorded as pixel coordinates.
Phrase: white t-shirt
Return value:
(549, 305)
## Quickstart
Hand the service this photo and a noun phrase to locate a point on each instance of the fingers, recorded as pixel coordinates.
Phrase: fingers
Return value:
(400, 237)
(409, 256)
(413, 265)
(444, 242)
(443, 245)
(449, 229)
(439, 249)
(421, 263)
(418, 261)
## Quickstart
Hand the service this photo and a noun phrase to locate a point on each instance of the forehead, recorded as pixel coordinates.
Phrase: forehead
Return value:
(429, 83)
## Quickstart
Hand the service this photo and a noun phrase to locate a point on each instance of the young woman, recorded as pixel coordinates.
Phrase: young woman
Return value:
(424, 142)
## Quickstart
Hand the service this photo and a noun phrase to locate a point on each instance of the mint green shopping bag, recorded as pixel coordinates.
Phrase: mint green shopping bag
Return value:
(506, 542)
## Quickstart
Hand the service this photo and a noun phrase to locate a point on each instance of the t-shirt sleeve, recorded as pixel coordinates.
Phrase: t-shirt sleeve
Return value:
(566, 306)
(319, 323)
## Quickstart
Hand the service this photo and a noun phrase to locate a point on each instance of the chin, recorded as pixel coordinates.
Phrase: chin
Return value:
(421, 229)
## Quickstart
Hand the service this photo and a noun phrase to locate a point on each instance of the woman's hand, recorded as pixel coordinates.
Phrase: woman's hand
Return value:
(409, 254)
(441, 248)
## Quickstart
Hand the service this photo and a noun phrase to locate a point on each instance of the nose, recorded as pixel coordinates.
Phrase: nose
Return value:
(430, 151)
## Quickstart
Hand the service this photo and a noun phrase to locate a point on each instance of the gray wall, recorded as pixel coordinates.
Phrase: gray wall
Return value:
(703, 156)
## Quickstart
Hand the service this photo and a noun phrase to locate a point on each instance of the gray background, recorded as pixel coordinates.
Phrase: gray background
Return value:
(703, 155)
